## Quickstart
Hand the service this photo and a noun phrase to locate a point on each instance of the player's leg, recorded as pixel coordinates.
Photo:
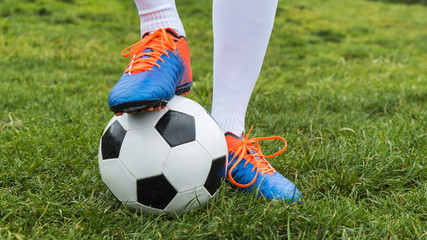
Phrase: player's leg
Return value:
(242, 29)
(160, 63)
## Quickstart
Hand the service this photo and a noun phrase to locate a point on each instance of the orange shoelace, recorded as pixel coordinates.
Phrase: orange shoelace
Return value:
(251, 150)
(158, 42)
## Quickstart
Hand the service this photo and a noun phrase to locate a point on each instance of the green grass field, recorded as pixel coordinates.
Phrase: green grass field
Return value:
(345, 82)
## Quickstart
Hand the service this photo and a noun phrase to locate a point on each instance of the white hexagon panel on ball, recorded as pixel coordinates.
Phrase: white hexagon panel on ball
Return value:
(210, 136)
(187, 166)
(118, 179)
(141, 208)
(189, 200)
(186, 105)
(144, 152)
(141, 119)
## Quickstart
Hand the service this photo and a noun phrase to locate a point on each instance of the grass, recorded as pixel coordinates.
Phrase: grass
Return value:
(343, 81)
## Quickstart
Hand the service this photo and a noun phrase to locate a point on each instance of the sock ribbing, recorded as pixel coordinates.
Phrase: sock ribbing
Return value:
(156, 14)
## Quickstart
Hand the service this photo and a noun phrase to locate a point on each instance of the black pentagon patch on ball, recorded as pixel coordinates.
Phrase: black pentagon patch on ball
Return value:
(216, 174)
(177, 128)
(155, 191)
(112, 141)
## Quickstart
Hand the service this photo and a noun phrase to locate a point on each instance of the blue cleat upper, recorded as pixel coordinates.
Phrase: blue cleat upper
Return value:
(248, 170)
(159, 69)
(159, 83)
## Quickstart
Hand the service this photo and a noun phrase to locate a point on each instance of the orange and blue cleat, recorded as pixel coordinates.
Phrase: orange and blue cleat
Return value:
(248, 169)
(159, 69)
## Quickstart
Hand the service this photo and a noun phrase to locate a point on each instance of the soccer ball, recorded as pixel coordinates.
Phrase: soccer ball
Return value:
(170, 160)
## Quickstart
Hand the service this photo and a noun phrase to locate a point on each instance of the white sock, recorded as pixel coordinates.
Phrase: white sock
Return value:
(242, 29)
(157, 14)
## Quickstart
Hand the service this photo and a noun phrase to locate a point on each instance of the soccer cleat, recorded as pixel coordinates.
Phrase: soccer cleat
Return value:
(248, 169)
(159, 69)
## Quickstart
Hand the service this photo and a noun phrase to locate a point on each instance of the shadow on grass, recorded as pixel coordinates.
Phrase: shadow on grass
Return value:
(421, 2)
